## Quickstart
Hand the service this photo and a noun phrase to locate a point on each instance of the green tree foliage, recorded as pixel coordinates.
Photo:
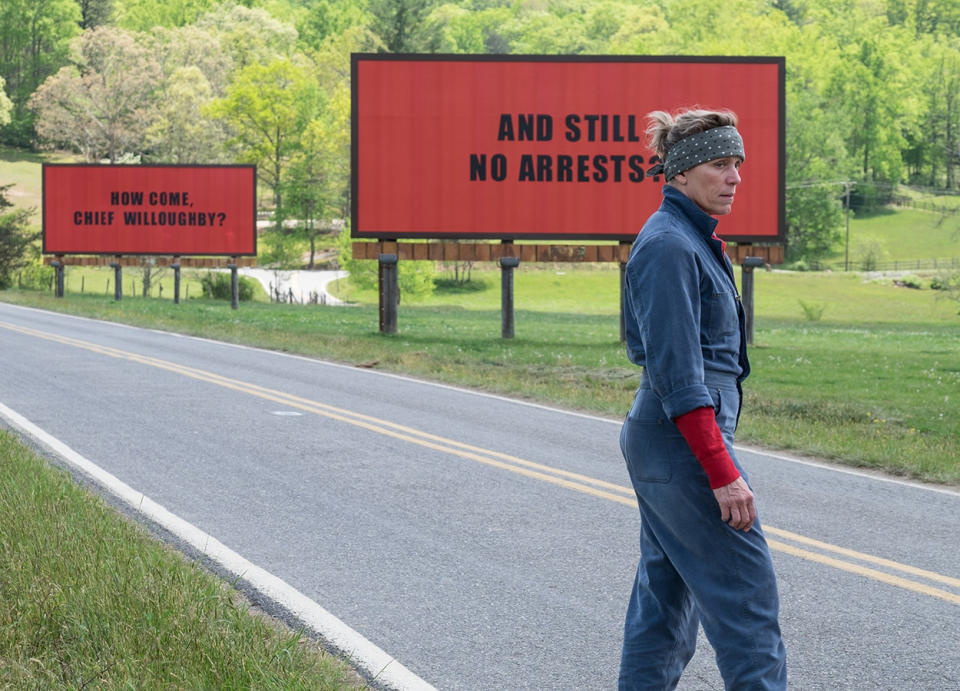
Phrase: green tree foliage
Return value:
(413, 277)
(267, 107)
(192, 47)
(103, 103)
(34, 43)
(182, 132)
(144, 15)
(95, 13)
(15, 239)
(405, 26)
(6, 105)
(323, 19)
(247, 35)
(317, 185)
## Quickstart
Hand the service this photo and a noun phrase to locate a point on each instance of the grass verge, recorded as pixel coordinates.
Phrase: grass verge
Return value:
(88, 599)
(873, 382)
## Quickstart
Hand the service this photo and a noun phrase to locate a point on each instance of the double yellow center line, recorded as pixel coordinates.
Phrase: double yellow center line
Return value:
(879, 569)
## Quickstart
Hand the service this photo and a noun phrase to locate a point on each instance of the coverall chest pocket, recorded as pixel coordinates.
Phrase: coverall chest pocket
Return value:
(719, 318)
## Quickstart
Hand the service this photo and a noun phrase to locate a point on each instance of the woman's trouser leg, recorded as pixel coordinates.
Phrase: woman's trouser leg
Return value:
(728, 573)
(660, 633)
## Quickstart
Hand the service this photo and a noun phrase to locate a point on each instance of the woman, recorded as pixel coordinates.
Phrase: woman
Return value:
(703, 556)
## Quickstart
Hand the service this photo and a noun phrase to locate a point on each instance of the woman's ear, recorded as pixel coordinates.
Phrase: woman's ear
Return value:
(680, 178)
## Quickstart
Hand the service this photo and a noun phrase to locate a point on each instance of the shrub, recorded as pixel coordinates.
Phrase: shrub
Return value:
(452, 285)
(216, 285)
(35, 277)
(909, 282)
(941, 282)
(812, 310)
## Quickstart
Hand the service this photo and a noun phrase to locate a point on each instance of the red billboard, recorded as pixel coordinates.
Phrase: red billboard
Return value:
(124, 209)
(457, 146)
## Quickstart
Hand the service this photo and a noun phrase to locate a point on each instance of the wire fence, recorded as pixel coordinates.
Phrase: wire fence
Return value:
(927, 205)
(950, 264)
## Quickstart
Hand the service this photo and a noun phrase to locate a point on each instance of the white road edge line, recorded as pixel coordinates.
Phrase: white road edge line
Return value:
(381, 666)
(529, 404)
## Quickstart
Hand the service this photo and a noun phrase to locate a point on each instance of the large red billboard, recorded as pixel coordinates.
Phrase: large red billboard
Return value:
(455, 146)
(132, 209)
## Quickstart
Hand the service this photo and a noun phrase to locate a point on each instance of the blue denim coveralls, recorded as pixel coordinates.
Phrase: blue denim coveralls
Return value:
(684, 326)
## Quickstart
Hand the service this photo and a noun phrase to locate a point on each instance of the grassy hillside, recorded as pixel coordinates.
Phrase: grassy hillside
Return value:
(904, 234)
(23, 170)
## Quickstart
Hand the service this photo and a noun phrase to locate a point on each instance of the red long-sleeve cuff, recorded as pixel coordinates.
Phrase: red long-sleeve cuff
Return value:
(699, 428)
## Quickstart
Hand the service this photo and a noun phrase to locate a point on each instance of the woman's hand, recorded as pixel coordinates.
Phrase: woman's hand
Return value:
(736, 504)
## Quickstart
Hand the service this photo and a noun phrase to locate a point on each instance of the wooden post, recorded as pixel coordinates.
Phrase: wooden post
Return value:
(57, 264)
(388, 293)
(176, 280)
(749, 264)
(623, 295)
(234, 284)
(117, 279)
(507, 265)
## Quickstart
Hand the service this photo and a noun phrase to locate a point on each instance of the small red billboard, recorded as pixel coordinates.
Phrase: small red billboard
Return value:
(550, 147)
(175, 210)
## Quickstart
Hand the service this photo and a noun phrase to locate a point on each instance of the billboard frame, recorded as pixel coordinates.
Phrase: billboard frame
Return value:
(86, 251)
(357, 192)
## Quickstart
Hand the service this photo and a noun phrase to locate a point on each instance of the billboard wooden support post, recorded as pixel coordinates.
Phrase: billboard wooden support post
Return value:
(749, 264)
(389, 293)
(507, 265)
(234, 284)
(176, 280)
(57, 265)
(117, 279)
(623, 289)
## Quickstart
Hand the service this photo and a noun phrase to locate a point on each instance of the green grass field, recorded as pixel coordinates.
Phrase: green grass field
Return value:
(22, 170)
(872, 382)
(87, 599)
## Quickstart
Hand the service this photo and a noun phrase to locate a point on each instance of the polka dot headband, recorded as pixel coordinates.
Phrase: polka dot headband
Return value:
(718, 142)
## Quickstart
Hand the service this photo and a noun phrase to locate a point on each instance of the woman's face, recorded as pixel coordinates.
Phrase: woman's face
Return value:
(711, 185)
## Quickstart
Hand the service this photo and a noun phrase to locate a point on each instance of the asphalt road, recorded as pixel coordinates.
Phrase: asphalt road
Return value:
(485, 543)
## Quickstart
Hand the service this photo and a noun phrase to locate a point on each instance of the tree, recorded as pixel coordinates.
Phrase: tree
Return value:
(249, 35)
(320, 173)
(103, 103)
(869, 89)
(95, 13)
(14, 238)
(182, 131)
(34, 42)
(144, 15)
(5, 105)
(936, 144)
(267, 107)
(322, 19)
(192, 47)
(405, 25)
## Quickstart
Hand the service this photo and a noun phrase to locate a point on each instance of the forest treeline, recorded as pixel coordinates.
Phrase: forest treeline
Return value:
(872, 86)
